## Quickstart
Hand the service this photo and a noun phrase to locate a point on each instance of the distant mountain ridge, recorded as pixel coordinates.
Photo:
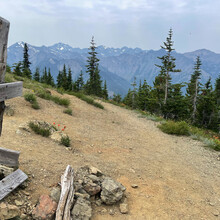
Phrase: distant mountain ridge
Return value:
(118, 66)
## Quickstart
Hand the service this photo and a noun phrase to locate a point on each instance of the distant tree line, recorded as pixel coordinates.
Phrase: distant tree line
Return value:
(93, 86)
(199, 106)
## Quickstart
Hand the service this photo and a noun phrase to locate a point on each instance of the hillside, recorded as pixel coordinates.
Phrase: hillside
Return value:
(177, 177)
(118, 66)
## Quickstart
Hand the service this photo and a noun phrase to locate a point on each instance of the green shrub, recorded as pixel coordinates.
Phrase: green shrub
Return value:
(68, 111)
(45, 132)
(30, 97)
(176, 128)
(65, 140)
(87, 99)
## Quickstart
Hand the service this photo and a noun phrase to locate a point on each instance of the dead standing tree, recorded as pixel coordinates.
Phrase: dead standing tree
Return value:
(4, 29)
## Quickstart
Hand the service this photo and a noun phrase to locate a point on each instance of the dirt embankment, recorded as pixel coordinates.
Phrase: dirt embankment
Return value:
(177, 178)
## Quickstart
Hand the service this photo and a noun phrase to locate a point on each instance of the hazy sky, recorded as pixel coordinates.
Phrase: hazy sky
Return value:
(115, 23)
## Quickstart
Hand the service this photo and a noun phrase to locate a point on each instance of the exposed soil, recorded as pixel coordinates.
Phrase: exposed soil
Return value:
(177, 177)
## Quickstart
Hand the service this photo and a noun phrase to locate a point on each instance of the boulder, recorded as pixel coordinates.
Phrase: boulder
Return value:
(82, 209)
(45, 210)
(8, 211)
(112, 191)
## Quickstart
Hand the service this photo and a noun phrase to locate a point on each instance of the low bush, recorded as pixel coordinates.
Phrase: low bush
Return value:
(176, 128)
(68, 111)
(45, 132)
(87, 99)
(65, 140)
(30, 97)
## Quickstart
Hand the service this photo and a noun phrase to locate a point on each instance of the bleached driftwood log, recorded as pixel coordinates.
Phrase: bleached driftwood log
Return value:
(4, 29)
(67, 195)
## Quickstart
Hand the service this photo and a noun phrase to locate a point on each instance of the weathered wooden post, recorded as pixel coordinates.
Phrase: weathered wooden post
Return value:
(8, 91)
(4, 29)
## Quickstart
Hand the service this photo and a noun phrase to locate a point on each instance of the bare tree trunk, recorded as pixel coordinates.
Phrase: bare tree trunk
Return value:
(166, 89)
(4, 29)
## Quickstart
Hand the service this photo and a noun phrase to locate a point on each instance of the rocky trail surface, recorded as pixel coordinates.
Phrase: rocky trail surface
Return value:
(166, 177)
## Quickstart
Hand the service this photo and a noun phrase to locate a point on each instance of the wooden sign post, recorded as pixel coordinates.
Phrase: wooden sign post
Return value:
(4, 29)
(8, 91)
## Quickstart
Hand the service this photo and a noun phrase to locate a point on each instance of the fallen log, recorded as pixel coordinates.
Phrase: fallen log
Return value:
(9, 157)
(67, 195)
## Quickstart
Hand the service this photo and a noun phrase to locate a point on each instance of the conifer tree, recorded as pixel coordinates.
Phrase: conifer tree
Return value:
(81, 81)
(64, 78)
(168, 63)
(26, 63)
(94, 84)
(17, 69)
(69, 80)
(217, 101)
(117, 98)
(37, 75)
(193, 88)
(59, 79)
(50, 80)
(206, 106)
(105, 91)
(44, 77)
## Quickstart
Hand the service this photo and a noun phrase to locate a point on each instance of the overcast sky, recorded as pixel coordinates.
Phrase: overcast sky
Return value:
(115, 23)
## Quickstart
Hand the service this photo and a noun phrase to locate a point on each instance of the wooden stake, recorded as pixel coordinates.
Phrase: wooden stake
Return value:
(4, 29)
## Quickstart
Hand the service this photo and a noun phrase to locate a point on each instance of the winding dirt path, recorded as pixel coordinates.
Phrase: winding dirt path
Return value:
(177, 178)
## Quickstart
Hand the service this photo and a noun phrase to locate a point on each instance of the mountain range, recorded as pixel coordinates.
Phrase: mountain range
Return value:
(118, 66)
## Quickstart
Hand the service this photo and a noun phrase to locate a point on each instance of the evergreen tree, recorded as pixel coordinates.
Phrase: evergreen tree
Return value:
(143, 96)
(8, 69)
(44, 77)
(217, 101)
(206, 107)
(64, 78)
(50, 80)
(94, 84)
(168, 63)
(26, 63)
(194, 88)
(117, 98)
(37, 75)
(17, 69)
(69, 80)
(134, 94)
(80, 81)
(59, 79)
(128, 98)
(105, 91)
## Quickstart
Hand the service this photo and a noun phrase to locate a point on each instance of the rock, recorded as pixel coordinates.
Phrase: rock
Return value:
(82, 195)
(98, 202)
(112, 191)
(5, 171)
(8, 211)
(95, 171)
(123, 208)
(111, 212)
(19, 203)
(95, 179)
(55, 194)
(45, 209)
(92, 188)
(25, 127)
(82, 209)
(215, 213)
(134, 186)
(9, 110)
(57, 136)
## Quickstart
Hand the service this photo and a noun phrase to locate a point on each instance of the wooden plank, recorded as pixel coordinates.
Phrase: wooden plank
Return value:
(10, 90)
(11, 182)
(67, 195)
(4, 29)
(9, 157)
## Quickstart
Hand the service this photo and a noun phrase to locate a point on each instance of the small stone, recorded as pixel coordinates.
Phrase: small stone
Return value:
(123, 208)
(111, 212)
(19, 203)
(55, 194)
(95, 171)
(8, 211)
(215, 213)
(45, 210)
(104, 211)
(5, 171)
(98, 202)
(82, 195)
(134, 186)
(82, 209)
(23, 216)
(92, 188)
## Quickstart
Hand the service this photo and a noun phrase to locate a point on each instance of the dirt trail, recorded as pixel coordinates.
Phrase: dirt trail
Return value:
(177, 178)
